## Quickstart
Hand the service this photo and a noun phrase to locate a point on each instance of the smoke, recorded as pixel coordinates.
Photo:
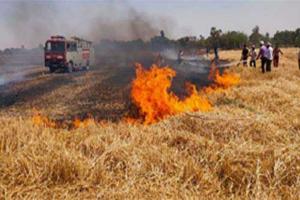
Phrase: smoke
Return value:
(32, 22)
(10, 73)
(135, 25)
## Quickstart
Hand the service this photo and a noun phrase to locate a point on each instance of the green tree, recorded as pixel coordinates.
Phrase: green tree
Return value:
(233, 40)
(255, 36)
(214, 39)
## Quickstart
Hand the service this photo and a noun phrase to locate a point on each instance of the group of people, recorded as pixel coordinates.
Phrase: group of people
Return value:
(266, 54)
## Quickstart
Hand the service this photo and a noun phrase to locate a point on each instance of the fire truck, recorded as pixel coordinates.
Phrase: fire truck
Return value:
(70, 55)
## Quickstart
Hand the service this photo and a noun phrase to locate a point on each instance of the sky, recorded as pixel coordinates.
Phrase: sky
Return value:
(31, 22)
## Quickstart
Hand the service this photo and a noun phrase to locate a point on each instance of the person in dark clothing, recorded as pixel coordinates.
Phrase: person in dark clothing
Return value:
(207, 51)
(245, 54)
(276, 53)
(216, 53)
(262, 55)
(253, 57)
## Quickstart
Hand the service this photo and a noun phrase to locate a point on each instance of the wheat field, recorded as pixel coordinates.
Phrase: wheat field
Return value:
(247, 147)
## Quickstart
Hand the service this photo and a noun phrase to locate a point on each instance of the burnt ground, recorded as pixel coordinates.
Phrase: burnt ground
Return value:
(102, 92)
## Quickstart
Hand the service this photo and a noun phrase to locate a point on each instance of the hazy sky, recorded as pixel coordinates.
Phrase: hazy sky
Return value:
(30, 22)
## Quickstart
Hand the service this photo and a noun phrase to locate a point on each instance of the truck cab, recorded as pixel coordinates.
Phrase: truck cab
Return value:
(72, 54)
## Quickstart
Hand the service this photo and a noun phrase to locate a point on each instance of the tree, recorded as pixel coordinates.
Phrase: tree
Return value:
(214, 39)
(233, 40)
(255, 37)
(285, 38)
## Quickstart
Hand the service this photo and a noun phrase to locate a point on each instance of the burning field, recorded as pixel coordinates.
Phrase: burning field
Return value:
(123, 132)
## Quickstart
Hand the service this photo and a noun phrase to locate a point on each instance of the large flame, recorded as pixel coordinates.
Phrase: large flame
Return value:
(150, 92)
(221, 82)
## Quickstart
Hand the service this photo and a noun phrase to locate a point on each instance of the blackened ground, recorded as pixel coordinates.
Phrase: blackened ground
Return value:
(102, 92)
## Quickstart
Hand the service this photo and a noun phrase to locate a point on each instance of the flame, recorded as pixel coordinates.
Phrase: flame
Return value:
(38, 119)
(150, 92)
(77, 123)
(227, 79)
(221, 82)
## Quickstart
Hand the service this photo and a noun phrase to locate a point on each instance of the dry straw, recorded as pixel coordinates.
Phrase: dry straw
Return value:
(248, 147)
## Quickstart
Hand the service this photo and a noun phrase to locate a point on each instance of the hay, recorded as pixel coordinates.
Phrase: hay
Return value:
(248, 147)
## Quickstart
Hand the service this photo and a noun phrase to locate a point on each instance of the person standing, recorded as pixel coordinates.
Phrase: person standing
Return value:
(207, 52)
(269, 56)
(262, 55)
(216, 53)
(299, 59)
(245, 54)
(276, 53)
(179, 56)
(159, 60)
(253, 56)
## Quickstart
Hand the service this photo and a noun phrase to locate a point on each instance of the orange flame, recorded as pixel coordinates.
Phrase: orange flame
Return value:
(150, 92)
(77, 123)
(221, 82)
(40, 120)
(227, 79)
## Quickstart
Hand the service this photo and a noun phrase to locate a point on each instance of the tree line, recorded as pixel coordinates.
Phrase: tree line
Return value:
(217, 38)
(236, 39)
(229, 39)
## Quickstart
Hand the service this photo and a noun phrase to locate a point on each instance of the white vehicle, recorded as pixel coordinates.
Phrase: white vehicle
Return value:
(68, 54)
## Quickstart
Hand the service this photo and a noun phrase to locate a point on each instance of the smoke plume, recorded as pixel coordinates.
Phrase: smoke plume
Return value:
(31, 23)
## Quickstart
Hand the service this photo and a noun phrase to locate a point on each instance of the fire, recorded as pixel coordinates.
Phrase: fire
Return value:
(77, 123)
(150, 92)
(227, 79)
(40, 120)
(221, 82)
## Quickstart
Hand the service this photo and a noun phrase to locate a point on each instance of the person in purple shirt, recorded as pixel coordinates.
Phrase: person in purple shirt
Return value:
(263, 56)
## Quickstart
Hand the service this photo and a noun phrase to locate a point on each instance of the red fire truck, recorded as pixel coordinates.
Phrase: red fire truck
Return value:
(68, 54)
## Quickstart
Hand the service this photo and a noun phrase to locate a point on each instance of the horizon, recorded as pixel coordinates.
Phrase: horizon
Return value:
(31, 23)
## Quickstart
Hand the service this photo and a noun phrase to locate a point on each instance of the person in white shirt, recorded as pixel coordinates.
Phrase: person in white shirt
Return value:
(269, 55)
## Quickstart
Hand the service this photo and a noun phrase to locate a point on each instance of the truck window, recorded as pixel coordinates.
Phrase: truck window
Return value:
(71, 46)
(55, 46)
